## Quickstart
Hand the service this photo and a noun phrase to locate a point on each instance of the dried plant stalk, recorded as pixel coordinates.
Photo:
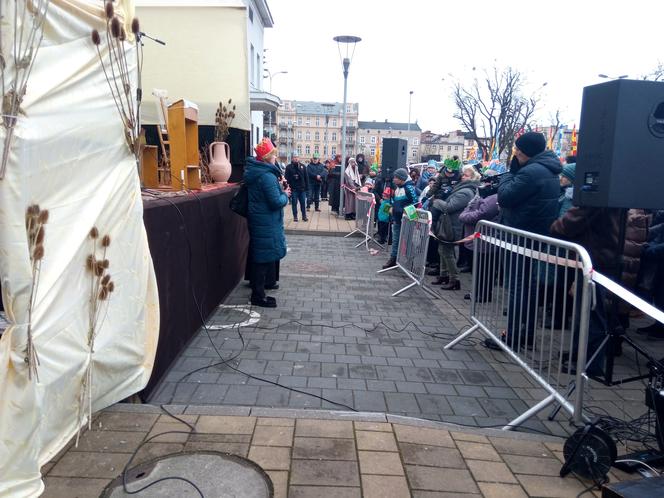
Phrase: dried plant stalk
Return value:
(101, 288)
(35, 219)
(27, 25)
(223, 120)
(118, 76)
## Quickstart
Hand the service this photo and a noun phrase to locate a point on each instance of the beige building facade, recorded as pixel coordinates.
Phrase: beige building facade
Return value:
(309, 128)
(370, 137)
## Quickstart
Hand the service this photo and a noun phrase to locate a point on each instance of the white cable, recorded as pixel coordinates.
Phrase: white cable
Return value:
(638, 461)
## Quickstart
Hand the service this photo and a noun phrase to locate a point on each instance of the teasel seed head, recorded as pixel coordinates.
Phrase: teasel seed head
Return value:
(38, 253)
(103, 294)
(110, 12)
(94, 233)
(96, 39)
(40, 236)
(105, 280)
(230, 100)
(90, 262)
(99, 269)
(106, 241)
(123, 34)
(43, 216)
(115, 27)
(33, 210)
(135, 26)
(106, 263)
(110, 287)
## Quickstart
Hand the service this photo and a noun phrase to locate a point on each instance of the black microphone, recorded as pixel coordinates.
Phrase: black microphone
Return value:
(141, 33)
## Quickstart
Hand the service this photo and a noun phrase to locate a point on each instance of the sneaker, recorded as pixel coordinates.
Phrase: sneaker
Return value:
(317, 210)
(305, 219)
(265, 303)
(390, 263)
(295, 219)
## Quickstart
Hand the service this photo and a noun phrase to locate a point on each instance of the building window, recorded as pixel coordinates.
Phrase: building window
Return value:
(307, 150)
(317, 121)
(361, 139)
(282, 121)
(253, 67)
(373, 140)
(316, 149)
(307, 135)
(334, 136)
(372, 150)
(349, 108)
(299, 135)
(334, 122)
(290, 122)
(299, 150)
(449, 148)
(251, 14)
(325, 150)
(416, 141)
(307, 121)
(414, 152)
(456, 147)
(334, 150)
(299, 121)
(325, 136)
(317, 135)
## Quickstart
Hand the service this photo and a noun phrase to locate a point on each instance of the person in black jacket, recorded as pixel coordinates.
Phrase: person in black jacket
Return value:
(317, 173)
(528, 199)
(298, 181)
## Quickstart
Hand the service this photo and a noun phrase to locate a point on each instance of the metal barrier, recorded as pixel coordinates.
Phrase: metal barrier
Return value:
(365, 203)
(517, 277)
(412, 251)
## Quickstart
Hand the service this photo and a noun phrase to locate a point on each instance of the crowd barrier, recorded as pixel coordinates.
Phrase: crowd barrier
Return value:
(365, 204)
(531, 296)
(412, 251)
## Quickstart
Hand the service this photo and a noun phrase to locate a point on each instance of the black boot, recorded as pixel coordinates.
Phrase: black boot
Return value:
(390, 263)
(441, 280)
(451, 285)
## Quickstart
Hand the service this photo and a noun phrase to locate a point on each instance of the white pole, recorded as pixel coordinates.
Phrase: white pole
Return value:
(346, 63)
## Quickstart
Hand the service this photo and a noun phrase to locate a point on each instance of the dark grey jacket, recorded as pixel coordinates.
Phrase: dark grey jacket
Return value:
(462, 193)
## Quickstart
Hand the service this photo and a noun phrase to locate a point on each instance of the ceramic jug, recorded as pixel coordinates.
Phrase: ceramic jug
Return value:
(220, 162)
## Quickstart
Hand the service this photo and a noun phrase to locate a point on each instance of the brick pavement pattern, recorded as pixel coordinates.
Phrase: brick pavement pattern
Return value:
(361, 456)
(329, 337)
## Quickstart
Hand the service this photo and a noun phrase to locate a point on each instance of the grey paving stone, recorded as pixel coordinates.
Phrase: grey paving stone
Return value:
(370, 401)
(354, 384)
(381, 385)
(401, 403)
(390, 373)
(326, 358)
(306, 369)
(415, 374)
(465, 406)
(336, 370)
(344, 358)
(292, 381)
(296, 356)
(322, 382)
(411, 387)
(279, 367)
(400, 362)
(475, 378)
(446, 376)
(241, 395)
(272, 396)
(362, 371)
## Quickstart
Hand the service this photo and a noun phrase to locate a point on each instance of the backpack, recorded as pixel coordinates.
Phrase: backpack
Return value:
(240, 201)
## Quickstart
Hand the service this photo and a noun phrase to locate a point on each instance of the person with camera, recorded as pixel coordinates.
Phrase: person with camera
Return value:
(484, 206)
(403, 195)
(267, 197)
(448, 228)
(528, 199)
(297, 178)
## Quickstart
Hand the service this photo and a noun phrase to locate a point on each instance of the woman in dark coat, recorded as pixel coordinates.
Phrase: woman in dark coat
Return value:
(453, 205)
(265, 220)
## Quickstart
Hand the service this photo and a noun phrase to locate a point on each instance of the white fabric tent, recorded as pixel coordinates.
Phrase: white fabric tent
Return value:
(70, 157)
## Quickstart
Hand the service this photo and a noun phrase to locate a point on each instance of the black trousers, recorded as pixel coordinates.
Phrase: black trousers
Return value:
(262, 274)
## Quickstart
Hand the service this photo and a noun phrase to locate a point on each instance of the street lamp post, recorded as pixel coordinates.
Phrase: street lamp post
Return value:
(270, 75)
(410, 101)
(606, 76)
(347, 41)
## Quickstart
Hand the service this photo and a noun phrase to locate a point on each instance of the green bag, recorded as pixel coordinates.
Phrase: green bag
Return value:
(410, 212)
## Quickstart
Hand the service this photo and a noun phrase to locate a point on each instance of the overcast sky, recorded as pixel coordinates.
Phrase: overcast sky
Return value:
(414, 44)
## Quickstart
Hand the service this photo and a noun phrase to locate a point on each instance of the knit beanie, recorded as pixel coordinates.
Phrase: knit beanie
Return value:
(531, 143)
(401, 174)
(569, 171)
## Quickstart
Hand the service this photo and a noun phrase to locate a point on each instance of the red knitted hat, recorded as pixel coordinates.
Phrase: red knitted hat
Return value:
(263, 149)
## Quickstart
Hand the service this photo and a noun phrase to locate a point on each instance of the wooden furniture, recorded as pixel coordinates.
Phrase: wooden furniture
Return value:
(183, 138)
(164, 167)
(150, 167)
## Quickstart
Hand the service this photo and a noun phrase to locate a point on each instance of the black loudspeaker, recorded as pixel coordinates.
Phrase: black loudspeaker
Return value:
(395, 156)
(620, 159)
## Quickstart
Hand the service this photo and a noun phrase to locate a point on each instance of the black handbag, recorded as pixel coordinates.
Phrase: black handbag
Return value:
(240, 201)
(444, 228)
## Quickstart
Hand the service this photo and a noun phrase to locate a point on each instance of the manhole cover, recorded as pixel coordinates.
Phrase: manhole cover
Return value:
(215, 474)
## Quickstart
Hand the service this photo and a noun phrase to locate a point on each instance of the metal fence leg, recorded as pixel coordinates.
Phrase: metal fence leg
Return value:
(530, 412)
(556, 409)
(461, 337)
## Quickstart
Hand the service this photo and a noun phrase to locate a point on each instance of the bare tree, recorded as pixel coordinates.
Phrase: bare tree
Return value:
(656, 74)
(494, 108)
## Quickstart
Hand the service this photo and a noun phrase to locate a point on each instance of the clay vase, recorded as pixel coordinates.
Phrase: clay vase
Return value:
(220, 162)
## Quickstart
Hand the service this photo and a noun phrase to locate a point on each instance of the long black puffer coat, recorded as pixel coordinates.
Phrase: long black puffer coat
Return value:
(528, 197)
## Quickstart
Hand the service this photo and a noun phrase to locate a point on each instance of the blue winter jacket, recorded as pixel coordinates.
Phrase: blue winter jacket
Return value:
(266, 214)
(403, 196)
(528, 197)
